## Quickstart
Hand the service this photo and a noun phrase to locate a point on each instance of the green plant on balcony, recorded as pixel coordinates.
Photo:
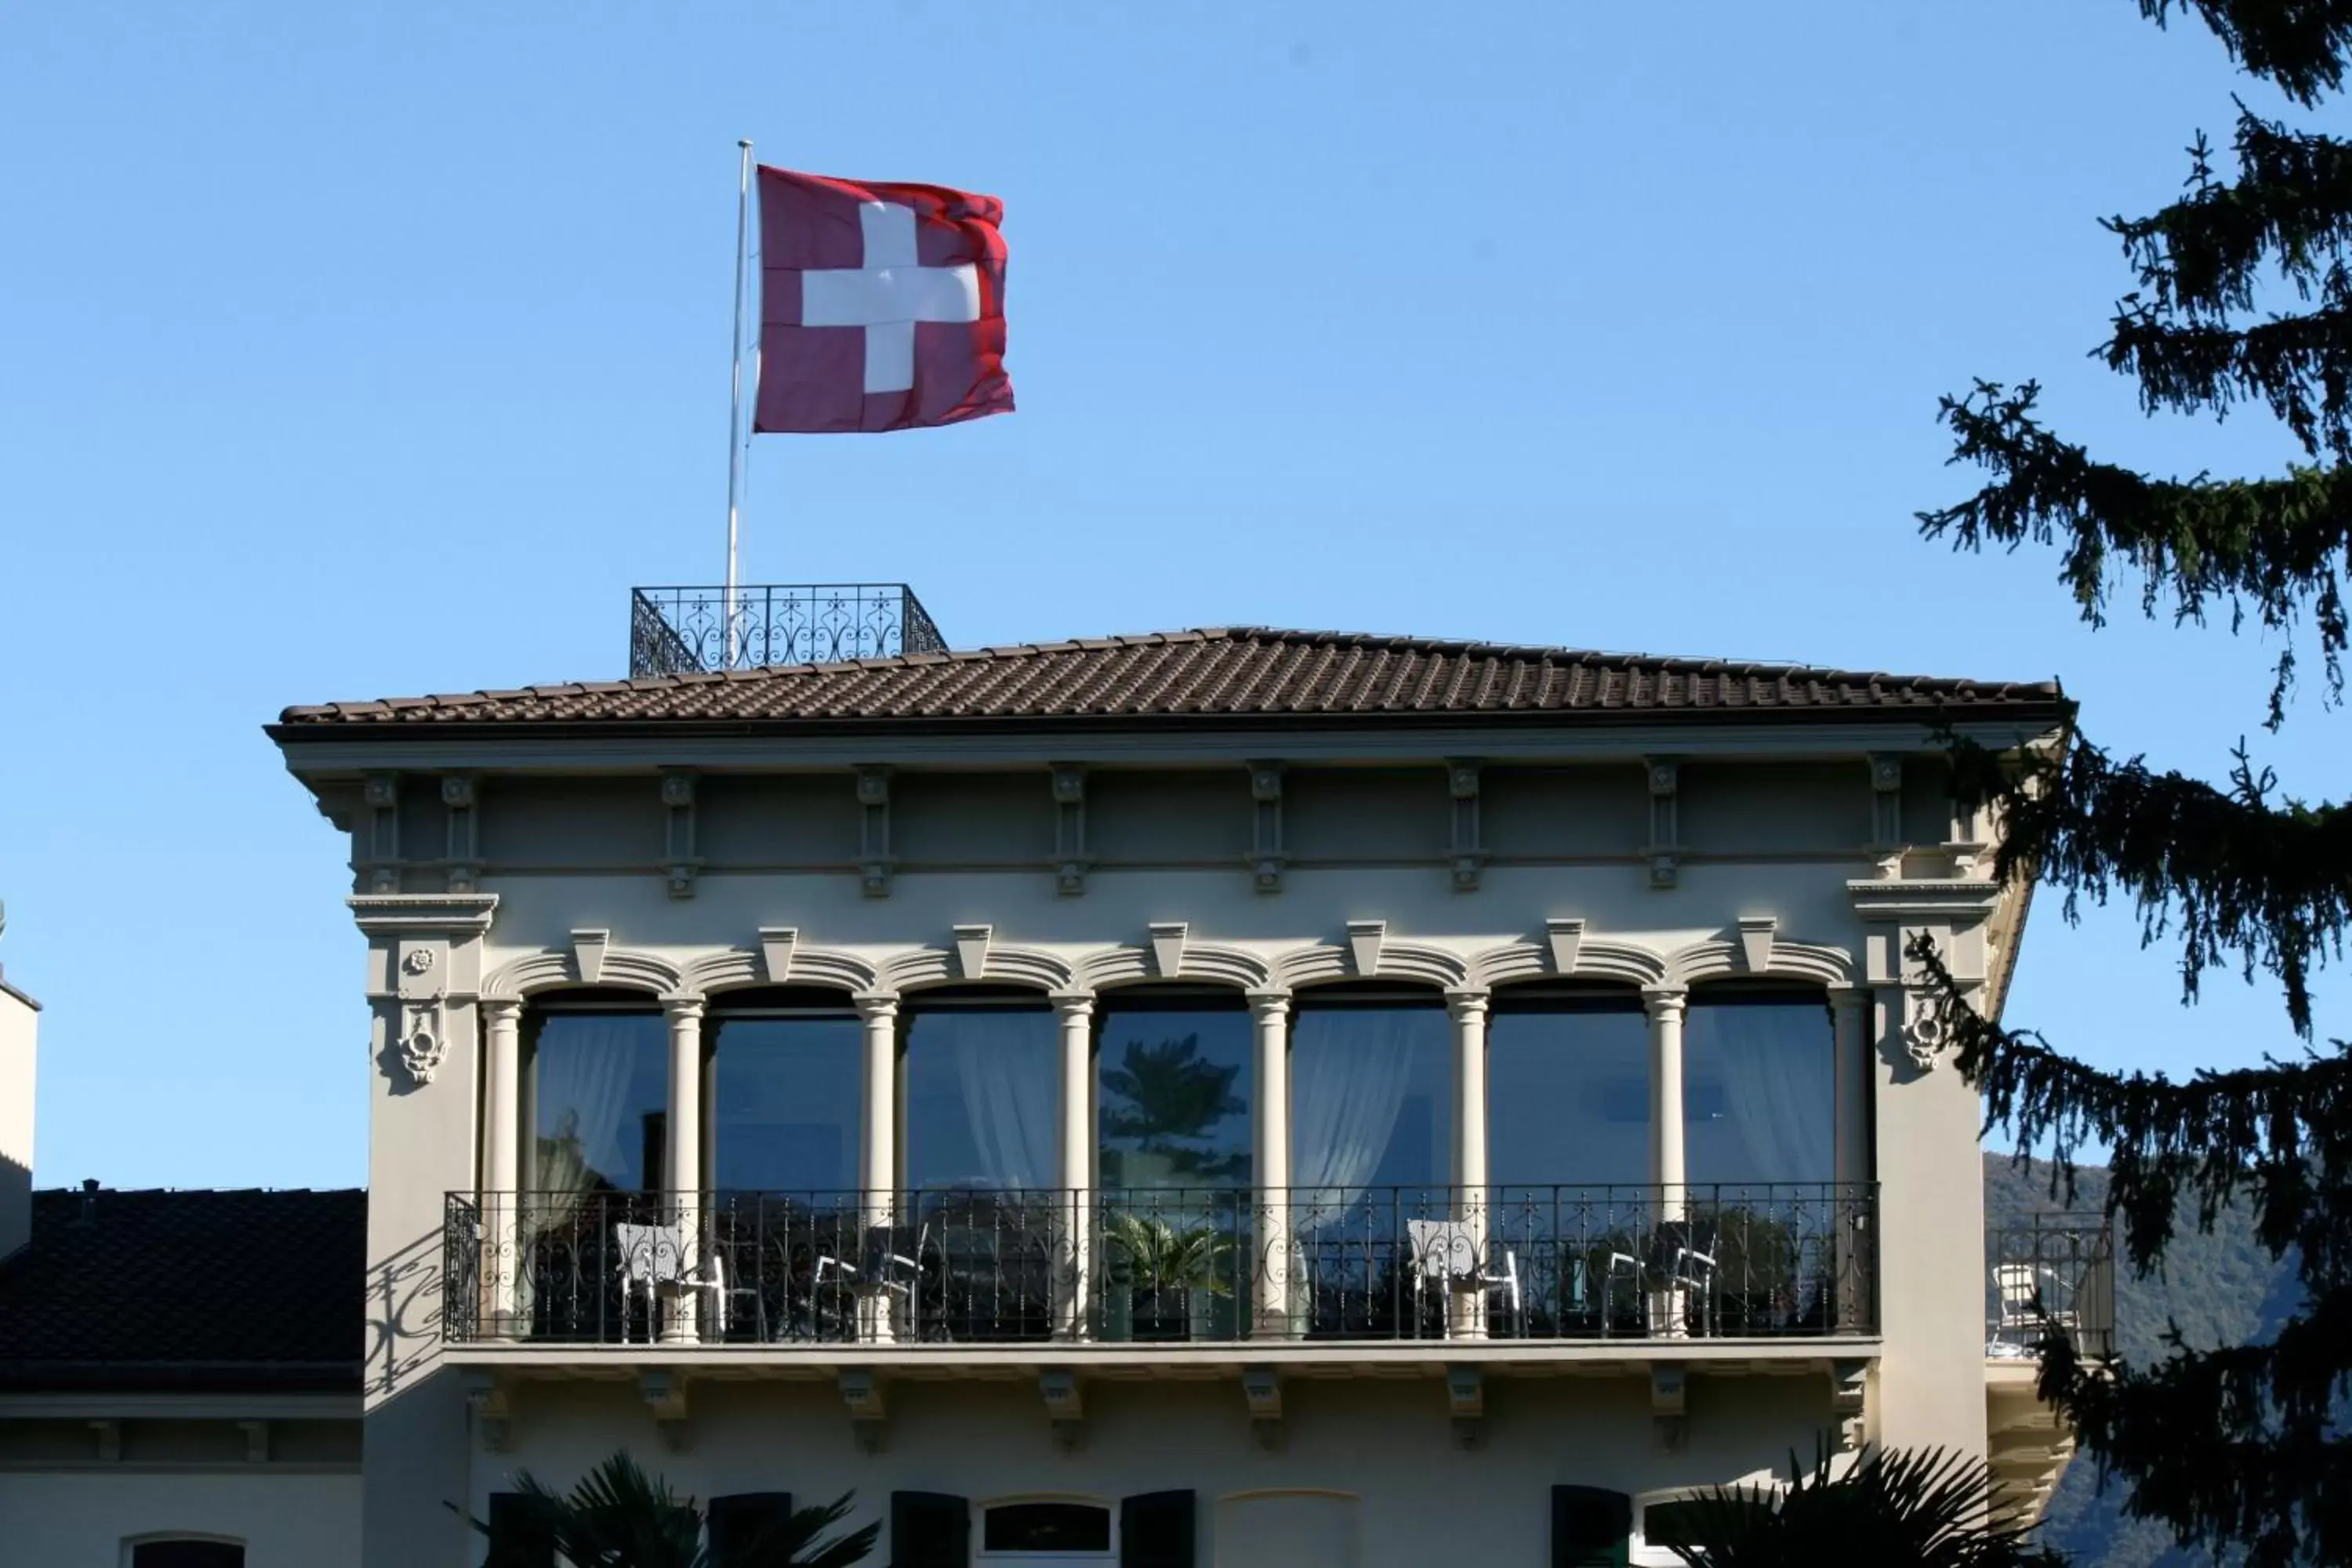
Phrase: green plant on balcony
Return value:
(1162, 1265)
(620, 1517)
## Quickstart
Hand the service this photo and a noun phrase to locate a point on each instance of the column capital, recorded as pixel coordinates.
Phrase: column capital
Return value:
(1265, 1005)
(497, 1010)
(1665, 1000)
(1847, 995)
(1467, 1004)
(1069, 1005)
(875, 1009)
(682, 1009)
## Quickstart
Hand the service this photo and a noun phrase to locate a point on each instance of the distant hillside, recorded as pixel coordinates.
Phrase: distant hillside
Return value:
(2221, 1288)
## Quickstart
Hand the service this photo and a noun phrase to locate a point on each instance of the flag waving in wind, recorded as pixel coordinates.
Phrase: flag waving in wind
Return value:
(882, 306)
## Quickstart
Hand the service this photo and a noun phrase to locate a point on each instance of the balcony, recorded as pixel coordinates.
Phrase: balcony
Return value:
(1169, 1272)
(683, 631)
(2051, 1274)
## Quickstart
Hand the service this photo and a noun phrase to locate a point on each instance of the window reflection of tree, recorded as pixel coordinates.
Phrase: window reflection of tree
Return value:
(1168, 1102)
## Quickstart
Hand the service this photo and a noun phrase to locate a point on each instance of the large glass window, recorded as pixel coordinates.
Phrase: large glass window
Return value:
(787, 1093)
(1758, 1087)
(981, 1097)
(600, 1090)
(1371, 1094)
(1568, 1090)
(1171, 1096)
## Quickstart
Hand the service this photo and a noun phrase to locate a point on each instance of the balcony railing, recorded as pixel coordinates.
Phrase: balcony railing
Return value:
(2050, 1274)
(781, 1270)
(680, 631)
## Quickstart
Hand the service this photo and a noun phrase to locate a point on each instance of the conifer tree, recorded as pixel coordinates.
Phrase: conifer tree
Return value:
(2243, 300)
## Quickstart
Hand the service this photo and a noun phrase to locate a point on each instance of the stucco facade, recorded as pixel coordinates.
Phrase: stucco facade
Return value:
(497, 875)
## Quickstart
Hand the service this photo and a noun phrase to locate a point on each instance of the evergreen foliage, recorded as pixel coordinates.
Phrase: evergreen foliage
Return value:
(1925, 1507)
(2241, 1448)
(620, 1517)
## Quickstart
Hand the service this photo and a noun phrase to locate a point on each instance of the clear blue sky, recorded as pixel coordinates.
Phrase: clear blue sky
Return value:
(376, 349)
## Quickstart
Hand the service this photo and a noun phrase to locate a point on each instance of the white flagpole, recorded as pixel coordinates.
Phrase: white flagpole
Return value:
(735, 410)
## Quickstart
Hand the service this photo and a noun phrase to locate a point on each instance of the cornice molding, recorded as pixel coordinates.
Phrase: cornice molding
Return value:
(452, 915)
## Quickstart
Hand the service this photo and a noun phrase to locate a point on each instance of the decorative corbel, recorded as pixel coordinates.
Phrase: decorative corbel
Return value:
(873, 830)
(380, 838)
(776, 944)
(664, 1393)
(588, 945)
(1266, 857)
(1168, 948)
(256, 1441)
(1070, 859)
(487, 1398)
(1887, 812)
(108, 1435)
(1469, 853)
(861, 1393)
(1564, 936)
(1466, 1392)
(1364, 939)
(1262, 1388)
(1064, 1407)
(1969, 843)
(1668, 1386)
(677, 789)
(1848, 1382)
(1664, 848)
(457, 800)
(972, 950)
(1756, 934)
(422, 984)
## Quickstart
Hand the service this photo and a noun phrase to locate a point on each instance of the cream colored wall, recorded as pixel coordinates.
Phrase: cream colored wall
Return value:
(1423, 1498)
(19, 1022)
(1569, 862)
(83, 1519)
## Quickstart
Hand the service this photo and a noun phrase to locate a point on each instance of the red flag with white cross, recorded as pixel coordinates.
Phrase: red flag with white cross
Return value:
(882, 306)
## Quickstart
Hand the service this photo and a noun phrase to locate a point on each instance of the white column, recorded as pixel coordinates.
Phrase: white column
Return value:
(1270, 1302)
(1856, 1219)
(682, 1159)
(1075, 1014)
(878, 1151)
(501, 1193)
(1468, 1319)
(1668, 1172)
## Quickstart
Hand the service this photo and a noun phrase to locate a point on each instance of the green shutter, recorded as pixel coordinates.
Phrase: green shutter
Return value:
(930, 1529)
(513, 1543)
(1592, 1527)
(1157, 1529)
(739, 1520)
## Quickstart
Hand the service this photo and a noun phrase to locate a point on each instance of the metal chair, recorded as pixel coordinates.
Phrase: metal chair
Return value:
(654, 1261)
(1447, 1251)
(2027, 1294)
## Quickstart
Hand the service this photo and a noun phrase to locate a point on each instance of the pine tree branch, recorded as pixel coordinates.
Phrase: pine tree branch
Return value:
(2300, 366)
(2237, 872)
(2289, 208)
(2298, 45)
(2235, 1446)
(2279, 548)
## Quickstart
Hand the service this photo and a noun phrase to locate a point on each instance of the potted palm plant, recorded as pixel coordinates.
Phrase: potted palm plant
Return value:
(1163, 1267)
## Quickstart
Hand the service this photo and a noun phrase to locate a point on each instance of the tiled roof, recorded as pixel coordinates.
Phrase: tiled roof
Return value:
(1226, 675)
(166, 1291)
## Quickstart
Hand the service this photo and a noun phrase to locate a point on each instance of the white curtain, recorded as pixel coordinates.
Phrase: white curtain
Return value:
(1349, 1071)
(586, 1134)
(1774, 1063)
(1006, 1063)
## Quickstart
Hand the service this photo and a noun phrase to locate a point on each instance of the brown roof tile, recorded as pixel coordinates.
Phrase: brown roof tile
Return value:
(1239, 673)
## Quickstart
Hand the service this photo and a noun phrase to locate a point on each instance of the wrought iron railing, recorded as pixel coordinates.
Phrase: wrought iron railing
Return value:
(2050, 1274)
(1163, 1265)
(679, 631)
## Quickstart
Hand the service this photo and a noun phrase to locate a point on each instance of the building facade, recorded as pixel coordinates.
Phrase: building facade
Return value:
(1231, 1096)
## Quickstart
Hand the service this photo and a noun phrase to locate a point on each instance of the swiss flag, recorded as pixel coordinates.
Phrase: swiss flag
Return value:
(882, 306)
